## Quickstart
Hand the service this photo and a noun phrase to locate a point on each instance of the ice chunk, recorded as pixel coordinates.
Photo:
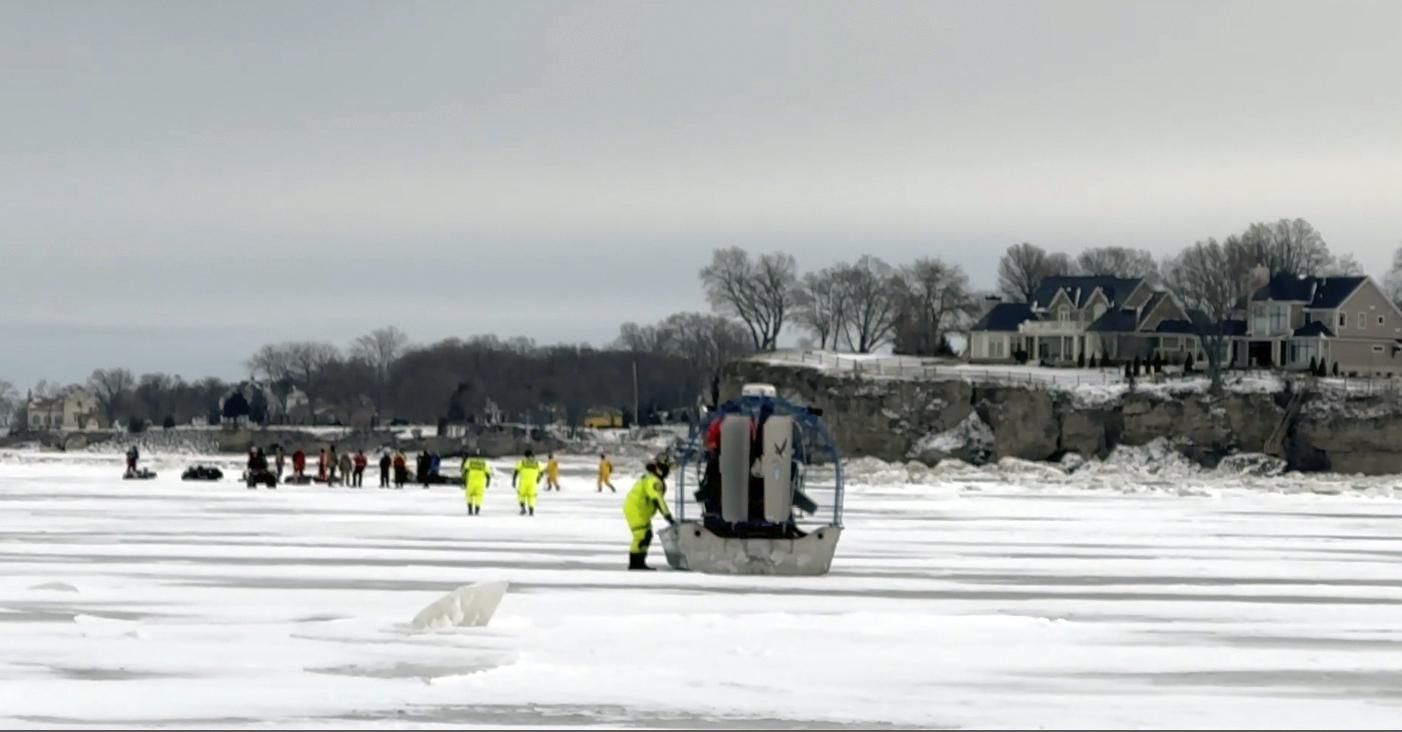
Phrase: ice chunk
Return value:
(467, 606)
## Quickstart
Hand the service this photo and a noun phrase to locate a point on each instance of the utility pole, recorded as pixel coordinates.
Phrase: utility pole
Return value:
(636, 422)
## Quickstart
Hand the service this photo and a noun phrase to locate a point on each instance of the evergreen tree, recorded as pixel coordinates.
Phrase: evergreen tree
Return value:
(1188, 364)
(1336, 368)
(1092, 361)
(1314, 366)
(1081, 360)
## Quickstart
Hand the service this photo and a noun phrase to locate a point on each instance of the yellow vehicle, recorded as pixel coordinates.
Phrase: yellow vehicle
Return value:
(603, 418)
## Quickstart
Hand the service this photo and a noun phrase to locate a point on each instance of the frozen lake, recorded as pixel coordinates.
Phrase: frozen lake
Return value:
(975, 600)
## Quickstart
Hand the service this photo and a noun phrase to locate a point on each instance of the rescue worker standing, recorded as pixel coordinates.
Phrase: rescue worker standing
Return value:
(645, 499)
(605, 471)
(524, 481)
(476, 476)
(552, 473)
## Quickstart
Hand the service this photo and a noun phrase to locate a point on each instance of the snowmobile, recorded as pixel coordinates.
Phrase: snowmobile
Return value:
(759, 461)
(142, 474)
(202, 472)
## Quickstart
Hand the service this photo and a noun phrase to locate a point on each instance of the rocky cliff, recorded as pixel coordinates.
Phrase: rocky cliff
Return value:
(931, 419)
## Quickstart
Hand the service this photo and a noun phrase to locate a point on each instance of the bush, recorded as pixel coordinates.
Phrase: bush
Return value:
(1129, 373)
(1020, 356)
(1336, 368)
(1092, 363)
(1188, 364)
(1081, 360)
(169, 422)
(1135, 365)
(136, 425)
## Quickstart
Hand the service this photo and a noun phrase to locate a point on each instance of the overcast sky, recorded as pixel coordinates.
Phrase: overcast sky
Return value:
(181, 182)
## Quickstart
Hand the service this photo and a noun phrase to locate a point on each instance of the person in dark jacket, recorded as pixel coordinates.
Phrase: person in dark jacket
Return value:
(385, 462)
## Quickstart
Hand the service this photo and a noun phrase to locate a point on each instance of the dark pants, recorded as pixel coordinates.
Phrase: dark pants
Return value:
(384, 477)
(358, 477)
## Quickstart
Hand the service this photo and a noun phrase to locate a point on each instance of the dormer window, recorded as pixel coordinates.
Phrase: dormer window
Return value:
(1063, 314)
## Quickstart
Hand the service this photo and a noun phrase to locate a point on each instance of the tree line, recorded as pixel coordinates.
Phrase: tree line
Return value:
(862, 306)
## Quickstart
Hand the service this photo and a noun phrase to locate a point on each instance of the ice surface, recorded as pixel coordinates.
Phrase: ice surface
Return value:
(1015, 595)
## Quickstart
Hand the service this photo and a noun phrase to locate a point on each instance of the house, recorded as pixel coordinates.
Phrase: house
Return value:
(1294, 320)
(75, 409)
(1077, 317)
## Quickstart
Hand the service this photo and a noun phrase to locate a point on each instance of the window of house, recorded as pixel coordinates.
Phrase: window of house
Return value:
(1063, 315)
(1377, 349)
(1343, 320)
(1277, 319)
(1362, 321)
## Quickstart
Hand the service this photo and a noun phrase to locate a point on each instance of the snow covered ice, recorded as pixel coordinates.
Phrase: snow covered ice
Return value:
(1006, 596)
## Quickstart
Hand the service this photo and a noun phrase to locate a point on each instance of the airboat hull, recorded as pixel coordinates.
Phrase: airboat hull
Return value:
(692, 547)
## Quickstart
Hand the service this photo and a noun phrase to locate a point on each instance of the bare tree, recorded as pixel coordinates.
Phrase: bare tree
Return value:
(758, 292)
(1213, 279)
(821, 305)
(1024, 266)
(112, 388)
(1344, 265)
(639, 338)
(937, 299)
(378, 350)
(1392, 281)
(874, 295)
(1118, 262)
(1287, 245)
(9, 402)
(300, 364)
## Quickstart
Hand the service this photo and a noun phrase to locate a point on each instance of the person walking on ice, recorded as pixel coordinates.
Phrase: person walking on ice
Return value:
(552, 473)
(476, 477)
(524, 481)
(647, 497)
(605, 472)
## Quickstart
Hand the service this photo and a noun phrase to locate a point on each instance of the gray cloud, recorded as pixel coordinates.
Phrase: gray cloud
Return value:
(210, 176)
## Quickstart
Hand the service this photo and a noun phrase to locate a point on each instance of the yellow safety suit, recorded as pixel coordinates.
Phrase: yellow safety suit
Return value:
(552, 474)
(526, 477)
(605, 470)
(476, 476)
(643, 501)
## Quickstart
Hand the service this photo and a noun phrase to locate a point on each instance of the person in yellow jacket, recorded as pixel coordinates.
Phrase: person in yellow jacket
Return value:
(647, 497)
(552, 474)
(605, 470)
(524, 480)
(476, 476)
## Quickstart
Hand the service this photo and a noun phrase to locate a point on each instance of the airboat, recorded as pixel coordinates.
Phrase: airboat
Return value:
(766, 491)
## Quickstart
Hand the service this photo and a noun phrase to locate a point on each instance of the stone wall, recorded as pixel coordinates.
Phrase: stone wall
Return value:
(888, 418)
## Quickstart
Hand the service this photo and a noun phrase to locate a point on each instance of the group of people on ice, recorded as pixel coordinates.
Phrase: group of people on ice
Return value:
(646, 499)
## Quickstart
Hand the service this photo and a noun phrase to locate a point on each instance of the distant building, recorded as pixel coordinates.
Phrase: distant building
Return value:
(75, 410)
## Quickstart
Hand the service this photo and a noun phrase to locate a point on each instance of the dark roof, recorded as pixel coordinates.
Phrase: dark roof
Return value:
(1315, 292)
(1332, 291)
(1313, 328)
(1005, 316)
(1174, 326)
(1155, 299)
(1116, 321)
(1080, 287)
(1228, 327)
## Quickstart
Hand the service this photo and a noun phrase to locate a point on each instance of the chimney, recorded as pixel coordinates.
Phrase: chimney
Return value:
(1259, 277)
(987, 303)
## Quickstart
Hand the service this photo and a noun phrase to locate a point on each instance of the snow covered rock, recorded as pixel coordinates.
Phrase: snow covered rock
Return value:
(1251, 463)
(971, 441)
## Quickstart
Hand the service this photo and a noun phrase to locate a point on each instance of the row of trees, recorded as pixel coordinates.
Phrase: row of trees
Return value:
(381, 374)
(861, 306)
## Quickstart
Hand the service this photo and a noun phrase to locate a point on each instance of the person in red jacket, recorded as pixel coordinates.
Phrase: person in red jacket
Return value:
(360, 462)
(299, 463)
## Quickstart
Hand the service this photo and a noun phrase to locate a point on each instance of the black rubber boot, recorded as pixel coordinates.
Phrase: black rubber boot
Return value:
(523, 509)
(638, 560)
(532, 510)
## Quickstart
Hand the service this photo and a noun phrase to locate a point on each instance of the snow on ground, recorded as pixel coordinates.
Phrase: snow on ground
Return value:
(998, 597)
